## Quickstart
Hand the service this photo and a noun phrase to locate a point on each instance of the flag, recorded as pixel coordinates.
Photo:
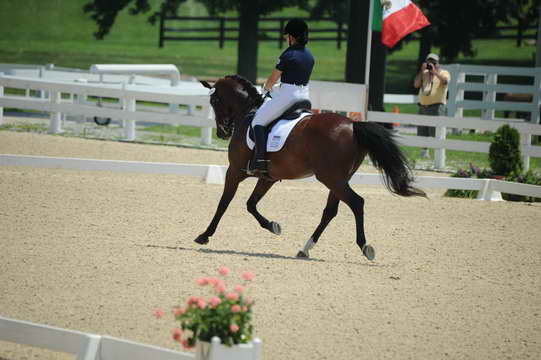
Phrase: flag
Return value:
(402, 18)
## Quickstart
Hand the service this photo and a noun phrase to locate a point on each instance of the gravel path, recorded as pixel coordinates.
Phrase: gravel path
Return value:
(98, 251)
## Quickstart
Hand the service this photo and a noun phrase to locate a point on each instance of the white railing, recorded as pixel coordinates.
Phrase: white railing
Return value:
(215, 174)
(441, 143)
(462, 81)
(138, 69)
(349, 98)
(127, 94)
(101, 347)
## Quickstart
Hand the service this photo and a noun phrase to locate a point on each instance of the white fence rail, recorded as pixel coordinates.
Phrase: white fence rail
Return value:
(215, 174)
(350, 98)
(101, 347)
(463, 80)
(441, 143)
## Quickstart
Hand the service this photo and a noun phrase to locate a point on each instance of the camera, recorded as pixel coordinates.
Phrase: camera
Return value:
(429, 66)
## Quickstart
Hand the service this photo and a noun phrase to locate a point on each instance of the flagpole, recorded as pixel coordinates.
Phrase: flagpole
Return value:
(369, 45)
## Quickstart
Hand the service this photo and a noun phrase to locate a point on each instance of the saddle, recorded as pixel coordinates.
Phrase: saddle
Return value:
(293, 112)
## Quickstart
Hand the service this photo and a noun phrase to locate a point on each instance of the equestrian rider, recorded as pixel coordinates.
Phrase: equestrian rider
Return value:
(293, 68)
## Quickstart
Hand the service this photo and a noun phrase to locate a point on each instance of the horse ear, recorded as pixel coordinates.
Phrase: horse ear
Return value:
(206, 84)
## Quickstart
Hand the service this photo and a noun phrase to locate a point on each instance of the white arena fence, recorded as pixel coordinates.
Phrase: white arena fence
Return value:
(66, 93)
(87, 346)
(440, 143)
(132, 91)
(489, 189)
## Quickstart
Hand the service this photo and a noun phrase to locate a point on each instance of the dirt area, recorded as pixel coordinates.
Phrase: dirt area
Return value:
(99, 251)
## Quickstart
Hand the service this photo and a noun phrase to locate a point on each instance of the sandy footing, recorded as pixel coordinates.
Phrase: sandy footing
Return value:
(99, 251)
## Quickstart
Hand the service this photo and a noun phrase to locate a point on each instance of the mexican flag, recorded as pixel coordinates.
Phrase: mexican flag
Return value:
(400, 19)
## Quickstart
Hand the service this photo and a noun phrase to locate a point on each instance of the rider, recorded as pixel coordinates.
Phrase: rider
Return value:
(294, 68)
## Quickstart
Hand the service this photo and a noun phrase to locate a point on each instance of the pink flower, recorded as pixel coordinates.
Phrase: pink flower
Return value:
(239, 289)
(177, 334)
(215, 301)
(234, 328)
(248, 275)
(213, 281)
(201, 303)
(249, 301)
(179, 311)
(203, 281)
(220, 288)
(224, 271)
(232, 296)
(186, 345)
(245, 308)
(159, 313)
(235, 308)
(192, 300)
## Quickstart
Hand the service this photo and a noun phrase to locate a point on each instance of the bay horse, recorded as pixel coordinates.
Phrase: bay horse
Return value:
(329, 146)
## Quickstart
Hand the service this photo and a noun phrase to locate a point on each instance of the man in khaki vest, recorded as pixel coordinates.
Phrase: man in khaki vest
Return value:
(432, 82)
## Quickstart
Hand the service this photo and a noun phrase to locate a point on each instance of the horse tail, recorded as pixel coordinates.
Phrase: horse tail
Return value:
(387, 158)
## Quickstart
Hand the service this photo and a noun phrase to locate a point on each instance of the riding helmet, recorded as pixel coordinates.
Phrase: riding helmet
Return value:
(298, 29)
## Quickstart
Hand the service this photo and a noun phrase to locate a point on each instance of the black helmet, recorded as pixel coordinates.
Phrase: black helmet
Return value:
(298, 29)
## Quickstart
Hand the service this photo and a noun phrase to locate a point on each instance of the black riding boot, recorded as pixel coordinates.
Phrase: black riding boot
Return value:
(258, 160)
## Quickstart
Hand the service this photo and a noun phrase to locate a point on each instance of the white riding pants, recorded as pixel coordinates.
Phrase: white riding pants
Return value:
(282, 98)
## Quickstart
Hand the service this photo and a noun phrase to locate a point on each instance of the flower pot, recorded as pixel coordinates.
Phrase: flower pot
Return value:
(217, 351)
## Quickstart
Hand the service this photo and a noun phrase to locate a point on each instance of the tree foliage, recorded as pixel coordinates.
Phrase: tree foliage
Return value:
(104, 12)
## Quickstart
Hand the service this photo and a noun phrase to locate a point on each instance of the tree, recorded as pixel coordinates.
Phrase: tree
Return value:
(104, 13)
(456, 23)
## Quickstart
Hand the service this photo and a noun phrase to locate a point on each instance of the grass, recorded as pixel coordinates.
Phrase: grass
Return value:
(62, 34)
(58, 32)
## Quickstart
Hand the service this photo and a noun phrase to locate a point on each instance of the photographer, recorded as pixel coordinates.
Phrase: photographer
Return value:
(432, 82)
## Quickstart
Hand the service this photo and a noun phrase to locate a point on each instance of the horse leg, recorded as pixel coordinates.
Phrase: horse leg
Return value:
(345, 193)
(260, 190)
(330, 211)
(232, 180)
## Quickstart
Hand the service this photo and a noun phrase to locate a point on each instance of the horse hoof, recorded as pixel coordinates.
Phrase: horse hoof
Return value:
(275, 228)
(369, 252)
(302, 255)
(202, 239)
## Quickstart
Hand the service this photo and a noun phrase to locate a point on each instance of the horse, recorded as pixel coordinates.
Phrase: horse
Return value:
(329, 146)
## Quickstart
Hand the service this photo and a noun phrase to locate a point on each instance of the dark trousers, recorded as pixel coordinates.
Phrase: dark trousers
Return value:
(433, 110)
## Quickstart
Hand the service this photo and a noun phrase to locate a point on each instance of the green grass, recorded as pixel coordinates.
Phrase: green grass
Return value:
(57, 31)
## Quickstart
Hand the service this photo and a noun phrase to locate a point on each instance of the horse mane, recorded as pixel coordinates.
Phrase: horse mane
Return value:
(247, 85)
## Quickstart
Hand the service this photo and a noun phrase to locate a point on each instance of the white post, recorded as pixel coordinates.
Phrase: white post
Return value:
(526, 140)
(439, 154)
(41, 93)
(55, 126)
(81, 99)
(460, 94)
(206, 133)
(206, 136)
(490, 96)
(129, 126)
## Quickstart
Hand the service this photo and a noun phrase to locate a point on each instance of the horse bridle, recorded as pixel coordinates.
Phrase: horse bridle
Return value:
(228, 127)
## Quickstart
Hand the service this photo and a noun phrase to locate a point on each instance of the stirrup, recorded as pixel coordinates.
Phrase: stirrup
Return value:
(260, 165)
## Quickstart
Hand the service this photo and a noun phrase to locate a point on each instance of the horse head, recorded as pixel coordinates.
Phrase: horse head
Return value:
(232, 97)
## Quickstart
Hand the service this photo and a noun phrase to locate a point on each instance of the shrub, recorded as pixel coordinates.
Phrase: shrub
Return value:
(472, 172)
(528, 178)
(504, 154)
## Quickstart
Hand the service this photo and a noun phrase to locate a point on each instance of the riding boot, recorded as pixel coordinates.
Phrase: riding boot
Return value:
(258, 160)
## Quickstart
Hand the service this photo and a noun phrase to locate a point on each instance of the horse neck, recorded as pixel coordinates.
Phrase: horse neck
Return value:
(241, 124)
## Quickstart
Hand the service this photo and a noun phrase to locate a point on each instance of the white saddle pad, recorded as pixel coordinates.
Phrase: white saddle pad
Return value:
(278, 134)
